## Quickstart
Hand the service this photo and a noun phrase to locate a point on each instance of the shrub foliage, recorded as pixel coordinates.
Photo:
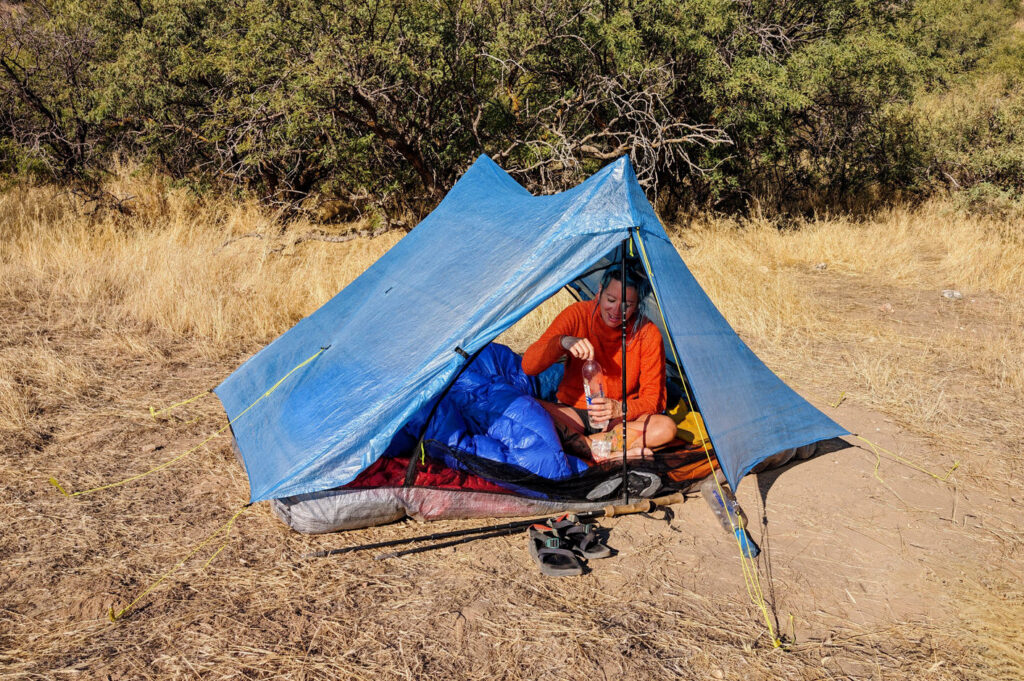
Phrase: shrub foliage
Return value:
(782, 104)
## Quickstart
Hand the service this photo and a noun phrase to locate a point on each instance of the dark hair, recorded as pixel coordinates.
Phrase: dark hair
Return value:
(635, 278)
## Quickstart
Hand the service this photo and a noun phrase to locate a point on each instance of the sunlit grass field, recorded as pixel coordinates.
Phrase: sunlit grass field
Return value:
(222, 274)
(109, 312)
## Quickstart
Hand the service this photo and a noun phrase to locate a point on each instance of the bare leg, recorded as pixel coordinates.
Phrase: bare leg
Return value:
(570, 429)
(641, 435)
(567, 416)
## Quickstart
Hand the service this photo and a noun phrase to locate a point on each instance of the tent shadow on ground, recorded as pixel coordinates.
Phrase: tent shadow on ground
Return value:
(765, 480)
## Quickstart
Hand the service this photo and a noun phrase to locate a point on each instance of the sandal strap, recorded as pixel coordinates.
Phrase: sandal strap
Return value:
(556, 543)
(562, 525)
(586, 541)
(566, 553)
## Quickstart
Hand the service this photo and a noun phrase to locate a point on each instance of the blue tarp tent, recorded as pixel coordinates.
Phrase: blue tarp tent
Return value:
(486, 256)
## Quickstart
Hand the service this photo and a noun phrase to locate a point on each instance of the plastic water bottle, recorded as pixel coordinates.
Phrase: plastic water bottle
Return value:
(593, 388)
(725, 507)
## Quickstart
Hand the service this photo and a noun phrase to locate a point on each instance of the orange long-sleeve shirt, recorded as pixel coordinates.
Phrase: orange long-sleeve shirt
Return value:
(645, 360)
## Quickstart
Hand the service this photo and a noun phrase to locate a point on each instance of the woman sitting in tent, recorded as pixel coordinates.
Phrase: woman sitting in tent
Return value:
(593, 330)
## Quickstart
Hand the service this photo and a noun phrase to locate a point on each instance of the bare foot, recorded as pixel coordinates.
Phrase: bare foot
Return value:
(615, 453)
(639, 453)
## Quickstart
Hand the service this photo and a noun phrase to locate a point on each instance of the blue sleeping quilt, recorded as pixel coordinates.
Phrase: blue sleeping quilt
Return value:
(491, 412)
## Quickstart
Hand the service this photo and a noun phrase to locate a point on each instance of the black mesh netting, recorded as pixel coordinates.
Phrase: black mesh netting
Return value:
(602, 481)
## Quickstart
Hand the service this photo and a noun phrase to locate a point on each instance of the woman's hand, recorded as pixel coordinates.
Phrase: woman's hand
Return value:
(580, 348)
(604, 409)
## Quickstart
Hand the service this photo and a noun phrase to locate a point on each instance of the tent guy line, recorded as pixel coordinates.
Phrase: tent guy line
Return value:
(751, 575)
(487, 255)
(166, 464)
(225, 528)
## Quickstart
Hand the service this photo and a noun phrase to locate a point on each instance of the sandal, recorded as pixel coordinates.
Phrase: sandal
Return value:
(552, 553)
(583, 538)
(586, 542)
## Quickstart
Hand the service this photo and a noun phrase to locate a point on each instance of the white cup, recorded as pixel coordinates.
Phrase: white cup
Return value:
(601, 449)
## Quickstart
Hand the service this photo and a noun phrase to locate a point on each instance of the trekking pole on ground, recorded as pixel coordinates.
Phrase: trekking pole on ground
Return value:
(607, 512)
(489, 531)
(427, 537)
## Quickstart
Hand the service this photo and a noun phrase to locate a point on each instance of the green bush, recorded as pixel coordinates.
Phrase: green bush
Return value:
(380, 104)
(986, 198)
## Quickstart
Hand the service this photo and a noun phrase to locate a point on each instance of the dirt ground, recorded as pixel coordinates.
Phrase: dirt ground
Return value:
(872, 568)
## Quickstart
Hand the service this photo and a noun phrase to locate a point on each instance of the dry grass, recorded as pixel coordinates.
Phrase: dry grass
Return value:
(185, 269)
(874, 316)
(106, 314)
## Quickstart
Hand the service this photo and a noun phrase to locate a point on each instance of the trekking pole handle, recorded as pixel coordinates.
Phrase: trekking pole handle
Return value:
(643, 506)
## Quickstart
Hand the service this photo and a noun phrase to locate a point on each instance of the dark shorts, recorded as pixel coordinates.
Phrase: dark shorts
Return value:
(585, 417)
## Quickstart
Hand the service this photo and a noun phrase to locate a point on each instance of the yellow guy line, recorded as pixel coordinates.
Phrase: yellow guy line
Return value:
(60, 488)
(156, 412)
(750, 572)
(878, 461)
(226, 528)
